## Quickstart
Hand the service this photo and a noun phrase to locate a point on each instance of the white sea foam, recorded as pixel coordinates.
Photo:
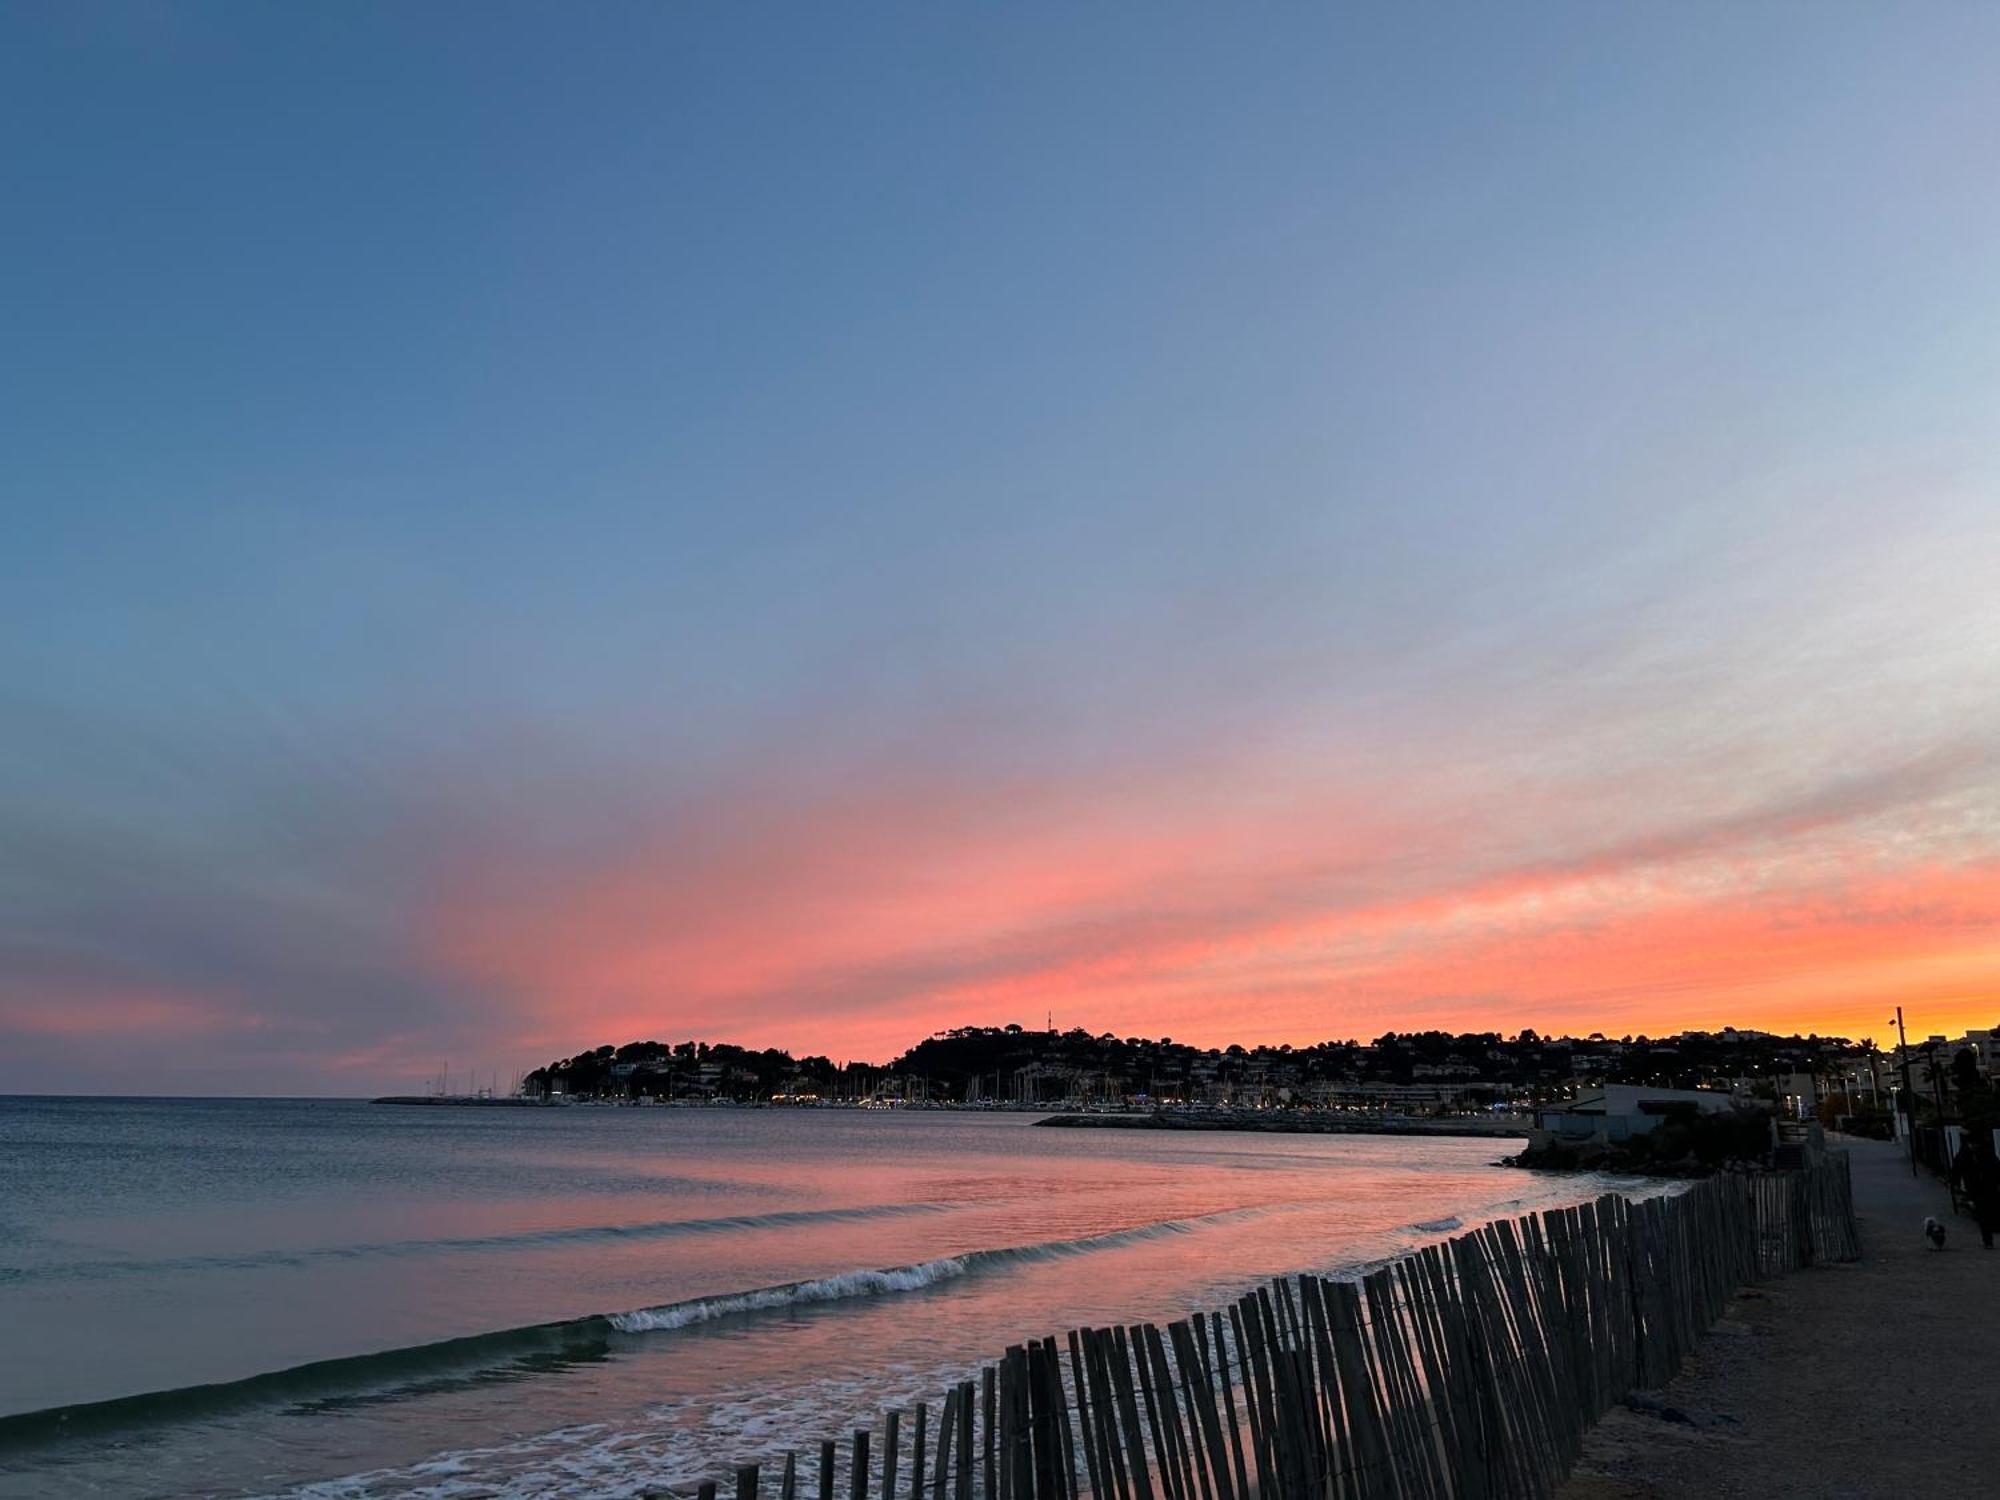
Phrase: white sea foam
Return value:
(797, 1293)
(912, 1278)
(1438, 1226)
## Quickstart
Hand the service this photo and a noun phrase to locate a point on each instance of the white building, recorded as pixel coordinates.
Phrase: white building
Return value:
(1618, 1111)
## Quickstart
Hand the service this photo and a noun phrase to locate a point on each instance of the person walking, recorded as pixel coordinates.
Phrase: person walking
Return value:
(1976, 1173)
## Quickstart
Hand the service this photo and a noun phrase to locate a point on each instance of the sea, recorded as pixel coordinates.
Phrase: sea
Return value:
(336, 1299)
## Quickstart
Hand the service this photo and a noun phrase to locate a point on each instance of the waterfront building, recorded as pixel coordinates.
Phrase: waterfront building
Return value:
(1620, 1111)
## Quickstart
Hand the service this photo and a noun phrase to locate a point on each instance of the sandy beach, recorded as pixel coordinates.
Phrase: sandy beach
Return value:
(1877, 1378)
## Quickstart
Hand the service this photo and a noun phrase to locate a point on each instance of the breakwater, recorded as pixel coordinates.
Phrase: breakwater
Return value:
(463, 1101)
(1470, 1368)
(1292, 1122)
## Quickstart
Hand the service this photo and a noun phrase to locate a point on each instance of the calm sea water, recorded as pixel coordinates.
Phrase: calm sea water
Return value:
(340, 1299)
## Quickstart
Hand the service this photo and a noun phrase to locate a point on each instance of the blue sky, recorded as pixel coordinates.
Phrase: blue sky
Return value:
(476, 473)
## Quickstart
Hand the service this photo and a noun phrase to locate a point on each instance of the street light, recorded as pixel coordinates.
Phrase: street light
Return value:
(1908, 1099)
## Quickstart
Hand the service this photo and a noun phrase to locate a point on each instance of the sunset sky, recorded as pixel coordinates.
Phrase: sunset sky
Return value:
(531, 527)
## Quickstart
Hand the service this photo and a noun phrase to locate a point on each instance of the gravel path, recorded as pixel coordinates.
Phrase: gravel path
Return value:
(1880, 1378)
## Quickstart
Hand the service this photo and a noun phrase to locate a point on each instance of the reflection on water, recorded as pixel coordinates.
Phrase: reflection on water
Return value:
(460, 1302)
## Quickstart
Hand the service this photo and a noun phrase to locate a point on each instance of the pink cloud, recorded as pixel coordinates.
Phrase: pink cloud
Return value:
(860, 921)
(85, 1012)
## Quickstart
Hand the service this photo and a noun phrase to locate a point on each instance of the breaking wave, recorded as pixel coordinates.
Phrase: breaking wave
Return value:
(796, 1294)
(539, 1348)
(911, 1278)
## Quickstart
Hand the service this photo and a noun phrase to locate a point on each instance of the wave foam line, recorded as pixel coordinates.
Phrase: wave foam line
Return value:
(584, 1339)
(892, 1279)
(794, 1294)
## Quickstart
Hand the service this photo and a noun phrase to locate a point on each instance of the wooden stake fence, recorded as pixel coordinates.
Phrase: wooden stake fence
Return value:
(1467, 1370)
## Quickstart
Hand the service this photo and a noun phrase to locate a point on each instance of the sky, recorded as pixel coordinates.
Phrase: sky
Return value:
(527, 527)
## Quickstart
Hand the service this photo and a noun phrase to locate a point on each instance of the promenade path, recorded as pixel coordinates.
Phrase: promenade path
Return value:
(1851, 1382)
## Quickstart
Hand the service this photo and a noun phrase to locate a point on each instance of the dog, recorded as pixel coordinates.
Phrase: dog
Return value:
(1934, 1232)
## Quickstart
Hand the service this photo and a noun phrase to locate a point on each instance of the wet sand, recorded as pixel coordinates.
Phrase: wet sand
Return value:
(1880, 1378)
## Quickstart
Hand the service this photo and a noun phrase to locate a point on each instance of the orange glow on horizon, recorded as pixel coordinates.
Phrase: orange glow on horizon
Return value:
(856, 931)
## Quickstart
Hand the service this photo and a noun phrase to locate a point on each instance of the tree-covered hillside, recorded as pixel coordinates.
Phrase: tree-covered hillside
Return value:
(1012, 1064)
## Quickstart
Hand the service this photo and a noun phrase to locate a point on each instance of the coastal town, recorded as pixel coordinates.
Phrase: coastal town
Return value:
(1417, 1074)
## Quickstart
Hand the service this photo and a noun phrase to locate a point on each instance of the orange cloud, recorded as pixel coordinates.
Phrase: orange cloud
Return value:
(856, 924)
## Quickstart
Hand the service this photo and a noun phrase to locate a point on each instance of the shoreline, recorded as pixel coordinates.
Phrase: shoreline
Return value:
(1531, 1328)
